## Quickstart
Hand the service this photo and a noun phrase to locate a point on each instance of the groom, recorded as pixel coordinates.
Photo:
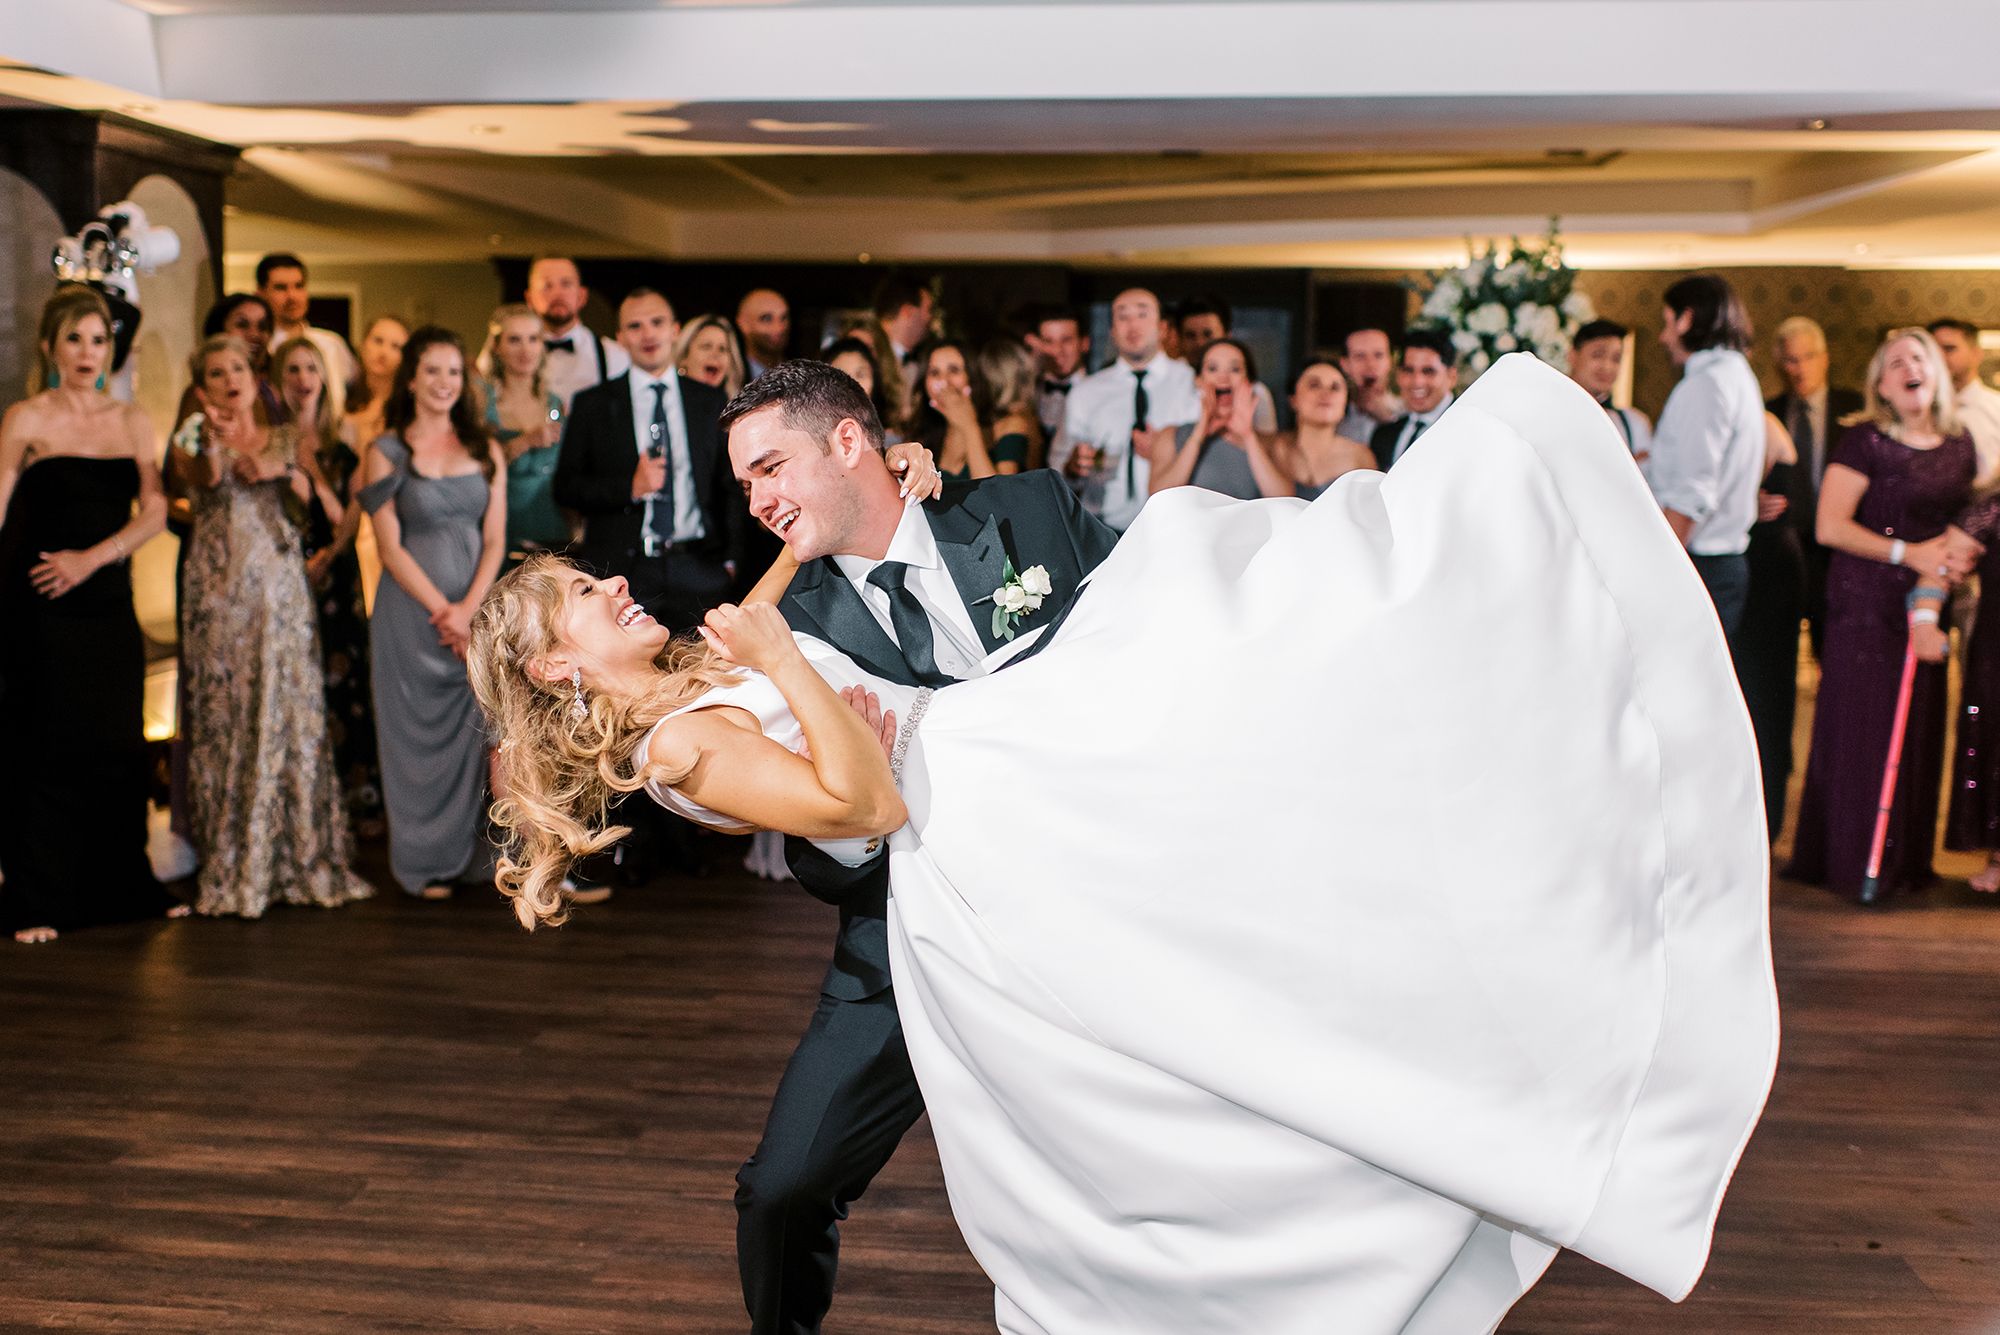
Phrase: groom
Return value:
(907, 592)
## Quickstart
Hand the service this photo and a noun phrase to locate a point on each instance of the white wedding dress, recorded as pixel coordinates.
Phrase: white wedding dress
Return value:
(1357, 902)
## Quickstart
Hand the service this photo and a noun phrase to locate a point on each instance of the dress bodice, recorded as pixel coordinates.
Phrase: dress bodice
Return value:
(66, 502)
(1912, 494)
(438, 518)
(755, 694)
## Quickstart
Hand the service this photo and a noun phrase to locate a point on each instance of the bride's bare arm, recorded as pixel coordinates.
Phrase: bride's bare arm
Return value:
(845, 789)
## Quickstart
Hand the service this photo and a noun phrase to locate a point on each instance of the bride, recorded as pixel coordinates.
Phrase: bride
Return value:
(1352, 905)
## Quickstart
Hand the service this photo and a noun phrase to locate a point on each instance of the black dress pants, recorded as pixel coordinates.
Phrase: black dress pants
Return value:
(844, 1102)
(1767, 655)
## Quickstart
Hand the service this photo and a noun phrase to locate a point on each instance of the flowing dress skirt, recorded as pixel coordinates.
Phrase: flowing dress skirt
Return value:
(1353, 904)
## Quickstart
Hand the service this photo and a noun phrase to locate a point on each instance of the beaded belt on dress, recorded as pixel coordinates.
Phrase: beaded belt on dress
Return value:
(911, 718)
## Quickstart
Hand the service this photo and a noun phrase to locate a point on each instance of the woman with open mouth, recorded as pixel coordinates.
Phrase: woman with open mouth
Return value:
(1898, 477)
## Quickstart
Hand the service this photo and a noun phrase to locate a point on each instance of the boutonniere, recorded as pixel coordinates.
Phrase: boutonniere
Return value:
(1017, 596)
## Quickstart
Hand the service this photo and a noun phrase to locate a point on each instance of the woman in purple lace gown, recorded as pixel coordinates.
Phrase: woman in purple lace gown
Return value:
(1895, 481)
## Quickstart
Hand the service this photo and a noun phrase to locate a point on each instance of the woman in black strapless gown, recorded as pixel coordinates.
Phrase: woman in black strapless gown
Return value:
(73, 772)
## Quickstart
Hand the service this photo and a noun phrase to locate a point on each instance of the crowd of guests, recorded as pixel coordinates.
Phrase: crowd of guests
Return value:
(311, 716)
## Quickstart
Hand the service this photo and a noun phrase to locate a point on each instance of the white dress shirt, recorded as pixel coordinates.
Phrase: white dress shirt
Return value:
(959, 651)
(1408, 435)
(685, 525)
(1979, 413)
(1708, 451)
(566, 372)
(1100, 415)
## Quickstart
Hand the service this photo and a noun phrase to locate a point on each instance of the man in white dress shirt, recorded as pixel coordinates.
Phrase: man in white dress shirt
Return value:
(1117, 416)
(577, 358)
(281, 282)
(1978, 402)
(1708, 451)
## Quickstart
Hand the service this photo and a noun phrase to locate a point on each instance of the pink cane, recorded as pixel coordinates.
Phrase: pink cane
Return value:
(1871, 883)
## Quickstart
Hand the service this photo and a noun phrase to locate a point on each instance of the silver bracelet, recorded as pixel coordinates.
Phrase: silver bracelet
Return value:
(1897, 549)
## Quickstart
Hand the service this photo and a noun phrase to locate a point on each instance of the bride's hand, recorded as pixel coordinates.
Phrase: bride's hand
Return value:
(754, 636)
(915, 467)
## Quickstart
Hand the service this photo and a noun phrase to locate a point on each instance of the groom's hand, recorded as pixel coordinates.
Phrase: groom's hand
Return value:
(880, 721)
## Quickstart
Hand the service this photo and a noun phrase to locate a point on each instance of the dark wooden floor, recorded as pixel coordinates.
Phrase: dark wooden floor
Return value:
(414, 1117)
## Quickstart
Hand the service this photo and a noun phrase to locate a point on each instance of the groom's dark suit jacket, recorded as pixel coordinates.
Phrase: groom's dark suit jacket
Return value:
(1031, 519)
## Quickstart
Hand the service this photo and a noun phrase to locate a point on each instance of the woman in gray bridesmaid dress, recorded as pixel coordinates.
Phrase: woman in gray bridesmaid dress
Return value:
(437, 495)
(1223, 451)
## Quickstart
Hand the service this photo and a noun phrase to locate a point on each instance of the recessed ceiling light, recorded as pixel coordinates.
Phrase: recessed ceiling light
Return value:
(765, 125)
(488, 129)
(863, 258)
(493, 239)
(1861, 247)
(1816, 123)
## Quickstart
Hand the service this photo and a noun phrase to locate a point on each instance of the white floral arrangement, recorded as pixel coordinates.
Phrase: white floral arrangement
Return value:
(1521, 300)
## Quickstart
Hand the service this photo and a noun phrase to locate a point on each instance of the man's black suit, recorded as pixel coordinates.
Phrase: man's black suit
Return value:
(849, 1094)
(594, 477)
(1787, 582)
(1382, 441)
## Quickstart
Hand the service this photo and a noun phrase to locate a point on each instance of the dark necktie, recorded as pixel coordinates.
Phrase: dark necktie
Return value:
(1800, 426)
(660, 505)
(1053, 386)
(1140, 407)
(911, 624)
(1802, 483)
(560, 344)
(1417, 425)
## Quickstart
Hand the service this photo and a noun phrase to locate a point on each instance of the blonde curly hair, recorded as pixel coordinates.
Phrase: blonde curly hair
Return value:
(557, 772)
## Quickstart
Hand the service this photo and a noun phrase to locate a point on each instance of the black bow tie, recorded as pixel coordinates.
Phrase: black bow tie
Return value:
(560, 344)
(1052, 386)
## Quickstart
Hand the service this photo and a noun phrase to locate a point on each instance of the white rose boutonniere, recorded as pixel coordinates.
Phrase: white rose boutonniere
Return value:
(1018, 596)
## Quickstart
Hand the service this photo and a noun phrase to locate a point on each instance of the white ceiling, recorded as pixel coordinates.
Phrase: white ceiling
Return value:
(1356, 132)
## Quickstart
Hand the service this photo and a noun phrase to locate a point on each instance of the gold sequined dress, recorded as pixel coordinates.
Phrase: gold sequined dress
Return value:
(265, 799)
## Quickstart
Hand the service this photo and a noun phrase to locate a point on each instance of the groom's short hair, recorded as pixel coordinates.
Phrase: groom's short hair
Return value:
(811, 397)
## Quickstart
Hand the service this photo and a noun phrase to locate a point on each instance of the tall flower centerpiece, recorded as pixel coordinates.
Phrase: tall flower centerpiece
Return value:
(1521, 299)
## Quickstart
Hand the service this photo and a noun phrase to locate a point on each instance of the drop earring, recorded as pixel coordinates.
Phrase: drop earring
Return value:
(578, 710)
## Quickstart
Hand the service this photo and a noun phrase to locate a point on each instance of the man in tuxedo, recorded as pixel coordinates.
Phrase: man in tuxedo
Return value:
(1427, 376)
(1061, 345)
(895, 586)
(1811, 411)
(903, 311)
(642, 462)
(1367, 360)
(577, 358)
(764, 318)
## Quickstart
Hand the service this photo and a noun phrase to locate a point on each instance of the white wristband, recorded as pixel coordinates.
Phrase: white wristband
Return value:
(1896, 549)
(1924, 616)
